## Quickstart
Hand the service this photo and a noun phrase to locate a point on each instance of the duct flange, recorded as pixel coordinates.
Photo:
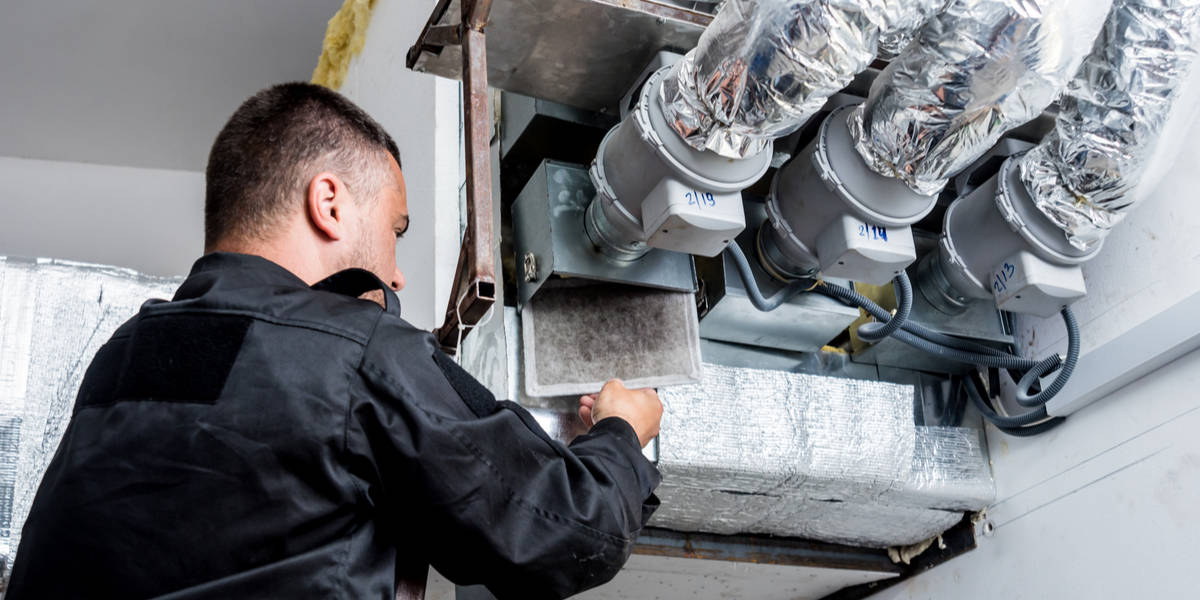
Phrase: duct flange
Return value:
(654, 190)
(996, 244)
(804, 323)
(829, 213)
(548, 219)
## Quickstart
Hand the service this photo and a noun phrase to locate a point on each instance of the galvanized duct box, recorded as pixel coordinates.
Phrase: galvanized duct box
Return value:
(54, 316)
(831, 459)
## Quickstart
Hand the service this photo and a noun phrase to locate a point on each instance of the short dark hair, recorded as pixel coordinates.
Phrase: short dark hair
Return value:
(261, 162)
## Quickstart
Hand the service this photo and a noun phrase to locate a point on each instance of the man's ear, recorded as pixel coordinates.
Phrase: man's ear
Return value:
(325, 204)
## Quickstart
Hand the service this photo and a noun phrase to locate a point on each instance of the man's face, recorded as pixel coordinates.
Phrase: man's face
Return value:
(384, 221)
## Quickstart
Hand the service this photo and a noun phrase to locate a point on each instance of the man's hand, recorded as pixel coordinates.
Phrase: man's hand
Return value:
(640, 408)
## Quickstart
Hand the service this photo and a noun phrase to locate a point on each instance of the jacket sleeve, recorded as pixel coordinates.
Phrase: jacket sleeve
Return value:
(490, 497)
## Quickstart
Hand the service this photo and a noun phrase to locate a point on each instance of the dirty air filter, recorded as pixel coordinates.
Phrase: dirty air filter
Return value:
(54, 316)
(838, 460)
(580, 334)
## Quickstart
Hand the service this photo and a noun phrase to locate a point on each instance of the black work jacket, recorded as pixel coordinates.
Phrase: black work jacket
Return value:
(256, 437)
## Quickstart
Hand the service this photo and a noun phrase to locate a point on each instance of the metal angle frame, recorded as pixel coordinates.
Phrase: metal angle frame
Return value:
(955, 542)
(474, 289)
(654, 541)
(554, 49)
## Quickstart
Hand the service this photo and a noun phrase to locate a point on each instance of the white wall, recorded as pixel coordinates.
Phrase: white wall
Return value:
(151, 220)
(1106, 505)
(422, 114)
(1103, 507)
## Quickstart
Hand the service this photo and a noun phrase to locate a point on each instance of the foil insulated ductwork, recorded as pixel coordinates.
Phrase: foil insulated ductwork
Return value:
(824, 458)
(763, 67)
(975, 71)
(903, 26)
(997, 245)
(1083, 173)
(828, 213)
(655, 191)
(54, 316)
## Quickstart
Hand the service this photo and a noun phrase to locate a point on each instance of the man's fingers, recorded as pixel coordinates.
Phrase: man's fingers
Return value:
(585, 413)
(613, 385)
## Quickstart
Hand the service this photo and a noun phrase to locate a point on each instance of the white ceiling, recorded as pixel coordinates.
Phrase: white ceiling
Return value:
(144, 83)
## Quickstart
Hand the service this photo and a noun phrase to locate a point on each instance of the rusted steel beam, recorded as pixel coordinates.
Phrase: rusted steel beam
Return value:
(476, 16)
(423, 41)
(444, 35)
(474, 290)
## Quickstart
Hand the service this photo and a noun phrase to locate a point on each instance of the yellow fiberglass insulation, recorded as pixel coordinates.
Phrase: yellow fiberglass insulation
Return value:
(344, 38)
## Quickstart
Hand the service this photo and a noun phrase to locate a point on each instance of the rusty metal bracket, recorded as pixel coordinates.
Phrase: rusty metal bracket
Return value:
(474, 288)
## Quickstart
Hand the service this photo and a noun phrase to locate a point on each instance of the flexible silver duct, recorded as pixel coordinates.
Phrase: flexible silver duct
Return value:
(763, 67)
(975, 71)
(1082, 174)
(905, 26)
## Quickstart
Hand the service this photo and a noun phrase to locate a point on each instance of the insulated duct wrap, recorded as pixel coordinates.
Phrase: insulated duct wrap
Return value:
(1082, 175)
(763, 67)
(832, 459)
(54, 316)
(904, 27)
(975, 71)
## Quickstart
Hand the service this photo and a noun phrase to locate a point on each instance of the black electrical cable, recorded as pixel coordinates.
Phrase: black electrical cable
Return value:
(1032, 430)
(753, 293)
(938, 344)
(1068, 366)
(907, 331)
(873, 332)
(1031, 423)
(931, 341)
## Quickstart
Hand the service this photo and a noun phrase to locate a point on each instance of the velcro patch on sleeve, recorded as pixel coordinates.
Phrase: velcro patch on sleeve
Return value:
(477, 398)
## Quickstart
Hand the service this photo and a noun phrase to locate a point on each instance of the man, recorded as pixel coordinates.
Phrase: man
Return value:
(269, 433)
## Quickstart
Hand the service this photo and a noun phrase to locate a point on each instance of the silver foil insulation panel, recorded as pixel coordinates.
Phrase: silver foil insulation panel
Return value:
(831, 459)
(54, 316)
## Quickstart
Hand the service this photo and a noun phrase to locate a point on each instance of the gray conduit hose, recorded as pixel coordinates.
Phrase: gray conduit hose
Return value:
(1068, 366)
(922, 338)
(1023, 425)
(871, 332)
(931, 341)
(752, 291)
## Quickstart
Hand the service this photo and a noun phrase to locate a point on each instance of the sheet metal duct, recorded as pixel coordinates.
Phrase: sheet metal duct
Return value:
(54, 316)
(975, 71)
(832, 459)
(763, 67)
(1083, 172)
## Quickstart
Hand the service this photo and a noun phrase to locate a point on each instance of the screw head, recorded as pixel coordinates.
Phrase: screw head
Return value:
(989, 528)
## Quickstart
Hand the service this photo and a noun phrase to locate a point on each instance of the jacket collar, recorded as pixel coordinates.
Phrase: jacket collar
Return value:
(230, 269)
